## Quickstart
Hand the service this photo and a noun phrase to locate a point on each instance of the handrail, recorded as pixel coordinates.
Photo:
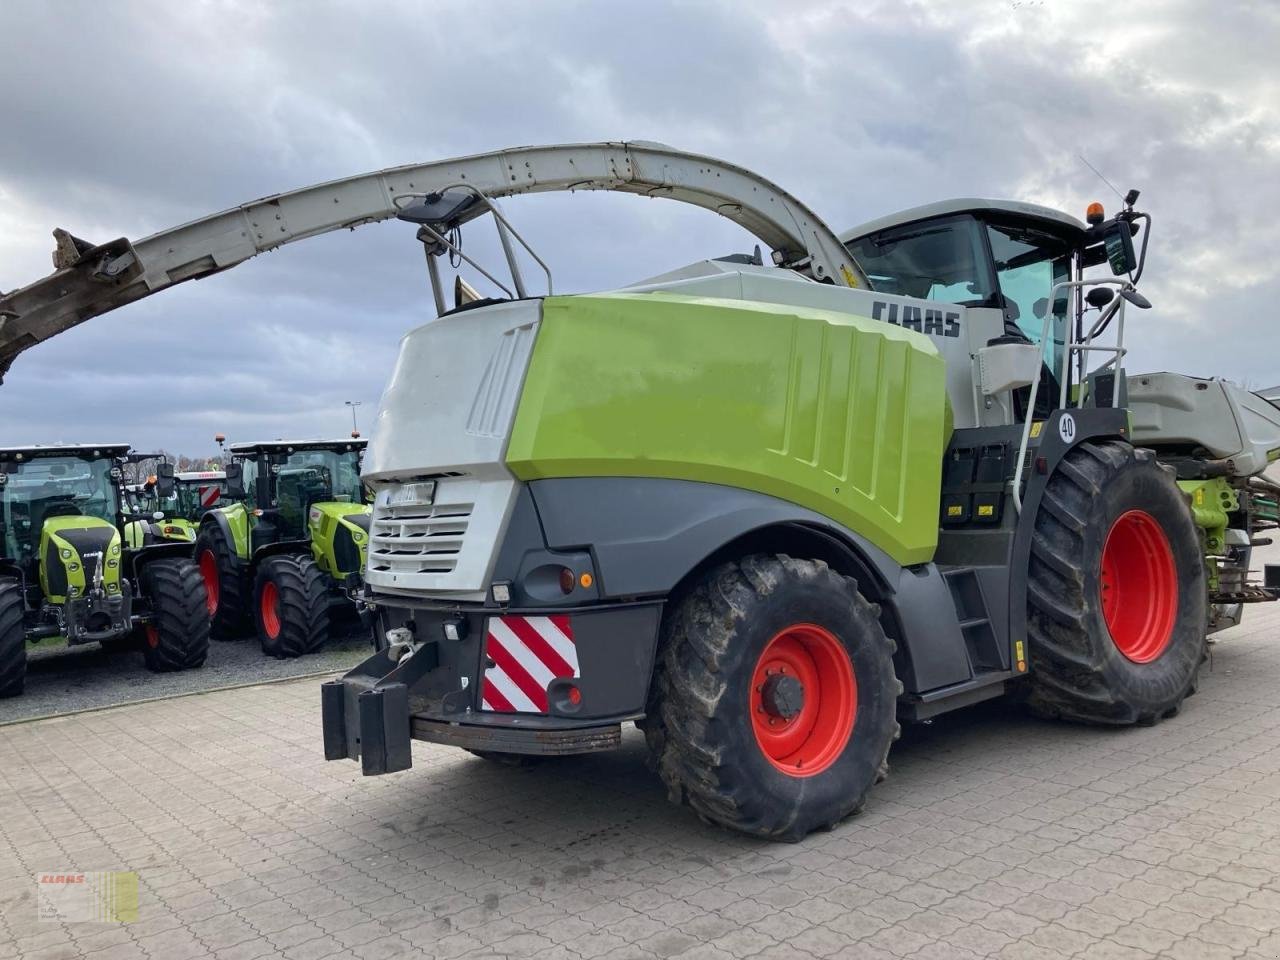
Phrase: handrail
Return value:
(1071, 348)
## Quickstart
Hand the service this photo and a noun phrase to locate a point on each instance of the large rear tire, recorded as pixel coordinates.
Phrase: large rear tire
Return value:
(774, 701)
(291, 606)
(177, 638)
(1116, 590)
(224, 581)
(13, 640)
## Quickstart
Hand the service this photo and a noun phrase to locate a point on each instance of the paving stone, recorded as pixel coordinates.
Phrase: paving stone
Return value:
(996, 836)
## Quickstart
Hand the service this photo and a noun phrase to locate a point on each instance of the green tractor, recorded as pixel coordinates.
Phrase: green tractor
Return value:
(158, 518)
(66, 569)
(291, 544)
(175, 517)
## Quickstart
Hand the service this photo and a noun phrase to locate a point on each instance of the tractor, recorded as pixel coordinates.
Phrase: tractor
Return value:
(66, 569)
(158, 518)
(289, 546)
(766, 508)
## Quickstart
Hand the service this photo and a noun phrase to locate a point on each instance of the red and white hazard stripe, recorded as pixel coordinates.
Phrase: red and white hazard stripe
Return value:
(527, 654)
(209, 496)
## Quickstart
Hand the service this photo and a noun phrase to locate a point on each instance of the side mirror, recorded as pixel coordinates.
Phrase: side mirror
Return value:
(235, 480)
(1117, 239)
(164, 480)
(1137, 299)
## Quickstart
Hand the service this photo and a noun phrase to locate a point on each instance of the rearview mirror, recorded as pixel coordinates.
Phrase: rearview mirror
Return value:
(1118, 241)
(1137, 299)
(235, 480)
(164, 480)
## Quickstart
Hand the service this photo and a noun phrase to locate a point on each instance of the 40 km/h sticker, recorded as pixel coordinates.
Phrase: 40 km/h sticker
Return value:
(1067, 428)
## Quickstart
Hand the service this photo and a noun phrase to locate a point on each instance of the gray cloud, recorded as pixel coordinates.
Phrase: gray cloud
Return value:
(123, 119)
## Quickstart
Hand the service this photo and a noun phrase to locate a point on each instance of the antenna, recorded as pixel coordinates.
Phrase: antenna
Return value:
(1100, 176)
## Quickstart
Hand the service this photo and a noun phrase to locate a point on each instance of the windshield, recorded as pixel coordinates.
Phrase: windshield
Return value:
(315, 476)
(194, 497)
(339, 472)
(939, 260)
(142, 498)
(1028, 263)
(44, 487)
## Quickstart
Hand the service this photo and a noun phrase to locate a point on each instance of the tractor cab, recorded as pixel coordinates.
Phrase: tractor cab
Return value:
(198, 491)
(152, 510)
(1009, 258)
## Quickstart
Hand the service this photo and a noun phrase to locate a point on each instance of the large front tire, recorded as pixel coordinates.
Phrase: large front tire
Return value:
(291, 606)
(1116, 590)
(224, 584)
(13, 640)
(177, 637)
(774, 702)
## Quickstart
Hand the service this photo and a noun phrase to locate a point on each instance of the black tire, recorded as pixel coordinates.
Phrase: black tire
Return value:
(177, 638)
(1079, 670)
(301, 606)
(228, 611)
(699, 725)
(13, 640)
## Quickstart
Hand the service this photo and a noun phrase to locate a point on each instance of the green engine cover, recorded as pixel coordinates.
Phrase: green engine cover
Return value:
(64, 542)
(841, 414)
(339, 536)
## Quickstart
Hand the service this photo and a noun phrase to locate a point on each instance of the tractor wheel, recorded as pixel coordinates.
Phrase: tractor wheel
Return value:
(13, 639)
(1116, 590)
(224, 585)
(773, 704)
(177, 638)
(291, 606)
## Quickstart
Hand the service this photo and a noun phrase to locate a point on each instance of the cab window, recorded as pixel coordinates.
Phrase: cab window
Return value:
(1028, 263)
(249, 466)
(938, 260)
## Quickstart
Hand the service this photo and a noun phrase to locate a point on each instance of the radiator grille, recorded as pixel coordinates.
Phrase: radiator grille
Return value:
(407, 538)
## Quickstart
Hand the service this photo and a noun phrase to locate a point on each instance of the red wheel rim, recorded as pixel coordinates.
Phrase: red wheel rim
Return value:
(270, 607)
(153, 636)
(812, 738)
(1139, 586)
(209, 572)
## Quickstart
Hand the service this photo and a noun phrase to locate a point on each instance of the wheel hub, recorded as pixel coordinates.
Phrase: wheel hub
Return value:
(803, 699)
(1138, 586)
(782, 696)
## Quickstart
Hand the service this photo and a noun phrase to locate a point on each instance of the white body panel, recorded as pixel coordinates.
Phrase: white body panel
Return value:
(1229, 422)
(446, 416)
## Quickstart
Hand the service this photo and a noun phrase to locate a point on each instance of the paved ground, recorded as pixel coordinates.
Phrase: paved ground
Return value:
(995, 836)
(62, 680)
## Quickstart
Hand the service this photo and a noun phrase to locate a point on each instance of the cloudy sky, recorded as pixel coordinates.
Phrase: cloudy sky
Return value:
(122, 119)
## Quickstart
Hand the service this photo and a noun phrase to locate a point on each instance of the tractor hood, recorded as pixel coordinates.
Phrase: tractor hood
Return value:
(339, 532)
(71, 551)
